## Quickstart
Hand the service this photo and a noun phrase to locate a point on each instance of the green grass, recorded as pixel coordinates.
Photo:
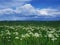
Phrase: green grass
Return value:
(30, 33)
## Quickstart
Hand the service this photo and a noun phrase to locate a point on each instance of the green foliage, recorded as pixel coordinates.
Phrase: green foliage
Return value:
(29, 33)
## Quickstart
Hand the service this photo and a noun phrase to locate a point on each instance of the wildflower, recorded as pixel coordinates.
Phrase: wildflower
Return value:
(16, 37)
(11, 27)
(30, 33)
(16, 33)
(50, 35)
(27, 35)
(21, 39)
(8, 33)
(23, 36)
(53, 39)
(36, 35)
(56, 35)
(9, 37)
(52, 31)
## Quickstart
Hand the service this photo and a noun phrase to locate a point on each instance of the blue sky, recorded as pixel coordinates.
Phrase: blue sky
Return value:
(46, 3)
(29, 10)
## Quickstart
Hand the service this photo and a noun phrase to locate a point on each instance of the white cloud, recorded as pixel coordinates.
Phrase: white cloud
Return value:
(12, 3)
(49, 11)
(6, 11)
(28, 9)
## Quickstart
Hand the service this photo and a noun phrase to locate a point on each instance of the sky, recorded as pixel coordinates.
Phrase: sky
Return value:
(39, 10)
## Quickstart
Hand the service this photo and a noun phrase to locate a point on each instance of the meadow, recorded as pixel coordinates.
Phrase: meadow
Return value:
(30, 33)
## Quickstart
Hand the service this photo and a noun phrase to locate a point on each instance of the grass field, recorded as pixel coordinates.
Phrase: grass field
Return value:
(30, 33)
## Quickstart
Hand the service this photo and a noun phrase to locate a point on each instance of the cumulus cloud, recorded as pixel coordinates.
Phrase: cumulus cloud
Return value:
(28, 9)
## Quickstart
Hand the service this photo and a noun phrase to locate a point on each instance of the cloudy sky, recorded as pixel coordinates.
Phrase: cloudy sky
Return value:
(29, 10)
